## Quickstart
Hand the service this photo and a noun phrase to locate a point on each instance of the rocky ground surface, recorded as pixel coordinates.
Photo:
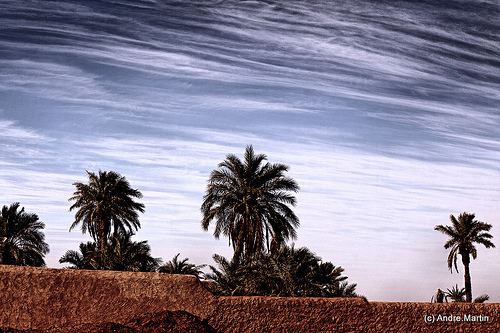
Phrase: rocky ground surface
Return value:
(166, 321)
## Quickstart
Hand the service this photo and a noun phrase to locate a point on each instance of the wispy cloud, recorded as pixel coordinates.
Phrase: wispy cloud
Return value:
(10, 130)
(387, 114)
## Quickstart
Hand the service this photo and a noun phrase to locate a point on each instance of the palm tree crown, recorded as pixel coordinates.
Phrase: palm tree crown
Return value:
(287, 271)
(85, 259)
(176, 266)
(463, 234)
(122, 254)
(104, 205)
(250, 202)
(455, 294)
(127, 255)
(22, 241)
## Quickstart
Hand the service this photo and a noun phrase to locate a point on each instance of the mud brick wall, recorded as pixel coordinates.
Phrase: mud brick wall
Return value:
(273, 314)
(41, 298)
(35, 298)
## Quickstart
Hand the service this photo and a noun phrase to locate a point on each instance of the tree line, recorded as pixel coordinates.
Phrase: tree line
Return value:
(249, 201)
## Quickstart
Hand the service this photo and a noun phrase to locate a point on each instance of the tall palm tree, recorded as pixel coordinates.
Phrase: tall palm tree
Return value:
(250, 203)
(22, 241)
(463, 234)
(176, 266)
(105, 205)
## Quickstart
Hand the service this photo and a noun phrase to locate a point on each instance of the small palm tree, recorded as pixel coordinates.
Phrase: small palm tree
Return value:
(455, 294)
(226, 279)
(250, 203)
(176, 266)
(22, 241)
(481, 298)
(284, 272)
(85, 259)
(463, 234)
(105, 205)
(122, 254)
(127, 255)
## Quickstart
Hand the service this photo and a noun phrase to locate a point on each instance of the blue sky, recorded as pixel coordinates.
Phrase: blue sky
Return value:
(387, 114)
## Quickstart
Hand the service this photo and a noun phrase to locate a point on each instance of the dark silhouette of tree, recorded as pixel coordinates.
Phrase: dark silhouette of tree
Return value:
(22, 241)
(284, 272)
(122, 254)
(455, 294)
(176, 266)
(87, 258)
(250, 203)
(438, 297)
(227, 279)
(127, 255)
(463, 234)
(481, 298)
(106, 205)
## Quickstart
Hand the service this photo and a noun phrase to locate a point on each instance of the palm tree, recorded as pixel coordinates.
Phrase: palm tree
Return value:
(176, 266)
(85, 259)
(305, 274)
(122, 254)
(481, 298)
(463, 234)
(104, 205)
(227, 278)
(127, 255)
(284, 272)
(455, 294)
(250, 203)
(22, 241)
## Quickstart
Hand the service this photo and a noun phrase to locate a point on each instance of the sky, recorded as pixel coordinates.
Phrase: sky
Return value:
(386, 112)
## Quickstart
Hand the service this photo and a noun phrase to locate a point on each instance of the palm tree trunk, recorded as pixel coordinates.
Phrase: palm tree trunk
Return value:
(1, 250)
(3, 239)
(102, 242)
(468, 286)
(238, 250)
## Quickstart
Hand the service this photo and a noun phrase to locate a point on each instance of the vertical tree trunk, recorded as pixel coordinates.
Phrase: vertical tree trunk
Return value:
(101, 243)
(3, 237)
(238, 250)
(1, 250)
(468, 286)
(3, 240)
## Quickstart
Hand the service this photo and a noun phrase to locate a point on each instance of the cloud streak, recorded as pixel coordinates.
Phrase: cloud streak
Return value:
(387, 114)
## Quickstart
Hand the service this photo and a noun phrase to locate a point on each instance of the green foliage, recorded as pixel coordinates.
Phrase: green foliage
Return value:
(284, 272)
(122, 254)
(176, 266)
(22, 241)
(250, 203)
(106, 206)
